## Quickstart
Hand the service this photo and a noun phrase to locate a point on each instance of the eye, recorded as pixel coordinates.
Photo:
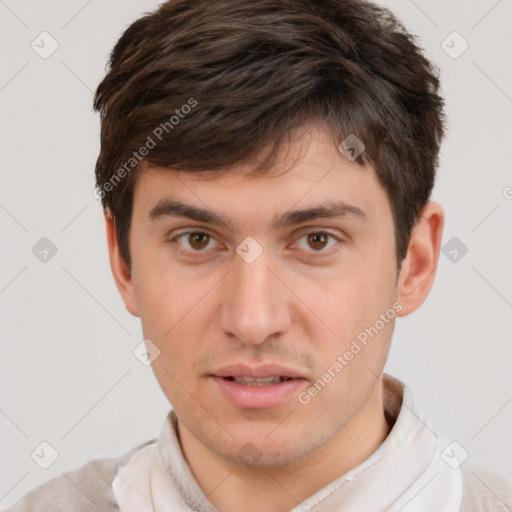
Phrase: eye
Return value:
(198, 241)
(202, 242)
(318, 241)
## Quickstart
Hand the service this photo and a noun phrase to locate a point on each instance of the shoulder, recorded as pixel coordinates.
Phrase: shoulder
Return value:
(484, 490)
(88, 488)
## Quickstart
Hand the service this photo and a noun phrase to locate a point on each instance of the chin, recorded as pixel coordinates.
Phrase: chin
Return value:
(264, 453)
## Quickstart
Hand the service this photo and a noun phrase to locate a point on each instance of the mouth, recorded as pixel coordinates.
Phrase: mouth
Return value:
(262, 387)
(258, 381)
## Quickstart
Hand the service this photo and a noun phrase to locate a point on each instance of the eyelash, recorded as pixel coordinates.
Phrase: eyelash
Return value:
(199, 253)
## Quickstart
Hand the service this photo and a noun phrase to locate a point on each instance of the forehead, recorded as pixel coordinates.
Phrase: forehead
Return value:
(309, 173)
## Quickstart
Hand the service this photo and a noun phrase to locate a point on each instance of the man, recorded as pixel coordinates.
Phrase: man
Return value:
(265, 172)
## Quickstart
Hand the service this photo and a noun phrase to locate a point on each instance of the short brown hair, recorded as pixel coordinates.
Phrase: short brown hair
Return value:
(252, 72)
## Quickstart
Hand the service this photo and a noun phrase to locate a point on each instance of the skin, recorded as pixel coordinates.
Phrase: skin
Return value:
(299, 304)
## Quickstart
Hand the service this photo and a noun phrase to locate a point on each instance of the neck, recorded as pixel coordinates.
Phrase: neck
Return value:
(231, 488)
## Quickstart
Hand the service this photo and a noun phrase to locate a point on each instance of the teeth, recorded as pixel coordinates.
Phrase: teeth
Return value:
(258, 381)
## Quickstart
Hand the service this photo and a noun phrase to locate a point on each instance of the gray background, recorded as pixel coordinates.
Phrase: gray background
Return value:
(67, 372)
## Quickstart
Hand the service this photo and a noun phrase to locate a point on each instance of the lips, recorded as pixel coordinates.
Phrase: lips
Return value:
(258, 387)
(258, 381)
(240, 371)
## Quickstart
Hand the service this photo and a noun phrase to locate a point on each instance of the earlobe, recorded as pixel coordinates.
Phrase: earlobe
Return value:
(120, 270)
(418, 269)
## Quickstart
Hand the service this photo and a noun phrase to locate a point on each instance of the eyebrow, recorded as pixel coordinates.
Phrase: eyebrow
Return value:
(333, 209)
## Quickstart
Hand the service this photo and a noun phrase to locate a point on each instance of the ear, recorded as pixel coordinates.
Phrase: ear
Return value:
(418, 269)
(120, 270)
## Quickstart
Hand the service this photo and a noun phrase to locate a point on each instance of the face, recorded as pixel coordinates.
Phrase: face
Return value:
(255, 308)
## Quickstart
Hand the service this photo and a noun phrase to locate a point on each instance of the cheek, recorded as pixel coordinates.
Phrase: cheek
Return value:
(162, 293)
(174, 312)
(344, 304)
(351, 307)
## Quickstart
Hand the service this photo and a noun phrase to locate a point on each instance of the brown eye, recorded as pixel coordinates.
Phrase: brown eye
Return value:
(198, 241)
(194, 241)
(317, 241)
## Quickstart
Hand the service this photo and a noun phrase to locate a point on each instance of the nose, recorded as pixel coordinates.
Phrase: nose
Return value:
(257, 304)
